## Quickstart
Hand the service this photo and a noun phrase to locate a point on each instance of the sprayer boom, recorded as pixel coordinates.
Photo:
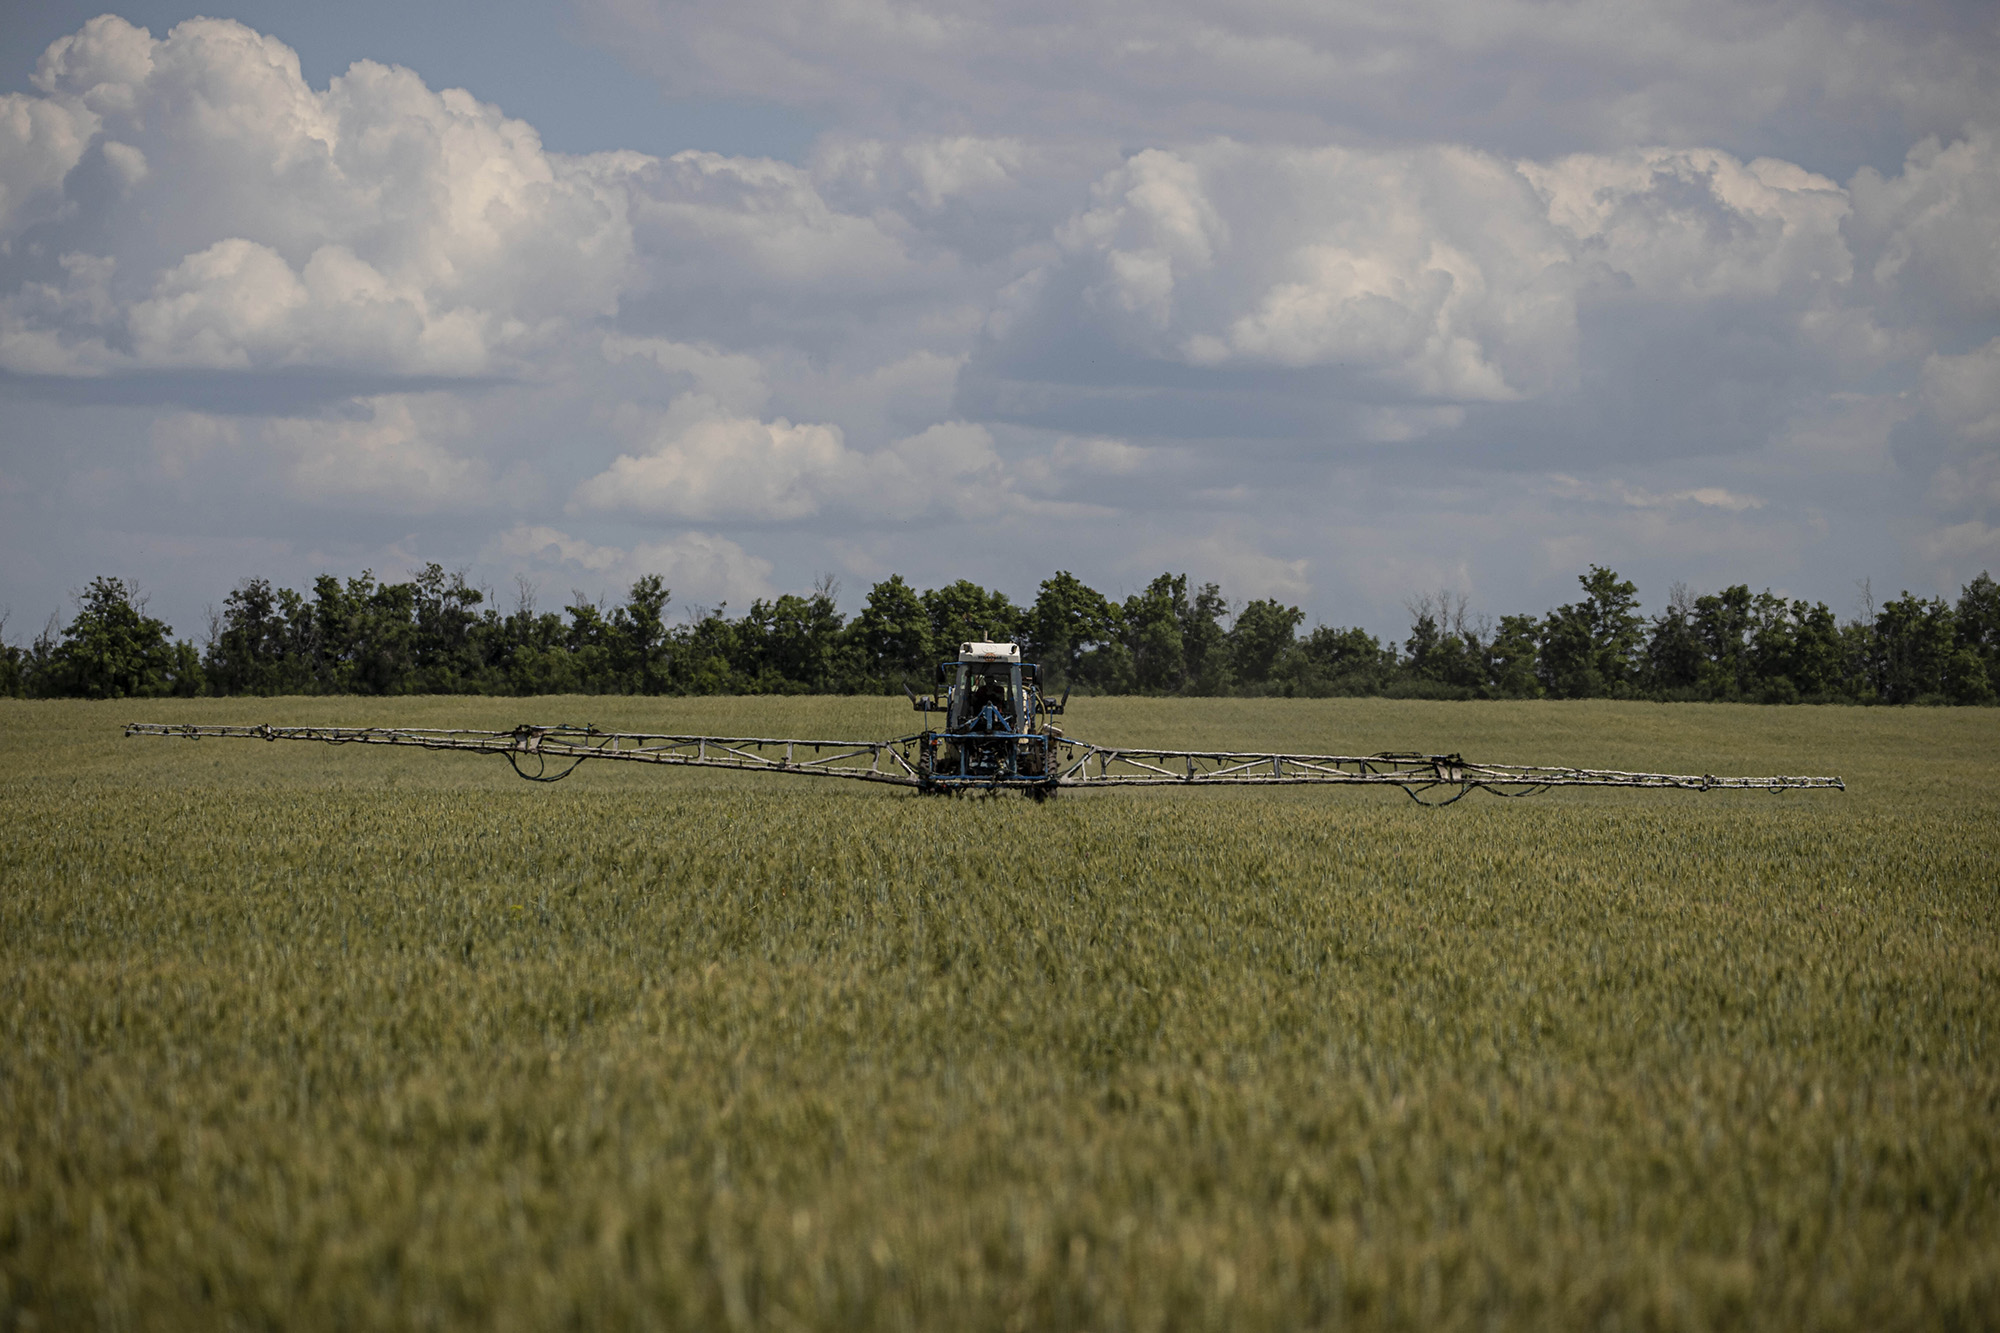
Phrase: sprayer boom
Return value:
(1040, 761)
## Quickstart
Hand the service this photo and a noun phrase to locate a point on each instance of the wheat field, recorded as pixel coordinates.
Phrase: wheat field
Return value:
(304, 1037)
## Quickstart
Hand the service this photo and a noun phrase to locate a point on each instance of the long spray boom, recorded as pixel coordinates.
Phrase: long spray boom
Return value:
(551, 753)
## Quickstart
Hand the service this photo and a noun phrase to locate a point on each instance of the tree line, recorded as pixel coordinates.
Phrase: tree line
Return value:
(437, 634)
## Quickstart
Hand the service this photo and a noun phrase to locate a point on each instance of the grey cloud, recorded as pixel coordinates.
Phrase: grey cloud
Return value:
(230, 393)
(267, 327)
(1925, 238)
(1830, 84)
(700, 568)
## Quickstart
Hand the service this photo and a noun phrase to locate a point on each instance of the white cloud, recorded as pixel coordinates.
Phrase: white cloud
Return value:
(101, 65)
(1396, 425)
(1514, 75)
(1696, 224)
(1964, 546)
(45, 326)
(1961, 397)
(698, 568)
(1434, 272)
(1638, 497)
(1839, 436)
(1962, 393)
(40, 141)
(396, 460)
(1011, 289)
(1440, 274)
(928, 172)
(391, 454)
(182, 440)
(1240, 561)
(706, 465)
(1928, 234)
(702, 462)
(734, 381)
(749, 224)
(238, 305)
(259, 222)
(1097, 456)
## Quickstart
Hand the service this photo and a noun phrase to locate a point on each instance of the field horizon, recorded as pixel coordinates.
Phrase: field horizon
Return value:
(321, 1036)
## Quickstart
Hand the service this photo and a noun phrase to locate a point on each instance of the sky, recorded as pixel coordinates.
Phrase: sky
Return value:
(1338, 303)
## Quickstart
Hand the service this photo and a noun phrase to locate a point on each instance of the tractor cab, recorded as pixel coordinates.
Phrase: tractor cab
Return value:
(983, 689)
(996, 728)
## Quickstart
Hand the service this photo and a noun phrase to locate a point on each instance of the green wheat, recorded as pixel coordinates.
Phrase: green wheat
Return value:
(307, 1037)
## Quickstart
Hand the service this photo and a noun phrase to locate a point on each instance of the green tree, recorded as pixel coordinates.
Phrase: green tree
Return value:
(1208, 650)
(707, 655)
(1153, 621)
(1510, 658)
(1263, 633)
(1723, 623)
(1567, 664)
(1674, 655)
(1966, 681)
(892, 635)
(530, 650)
(1915, 641)
(114, 650)
(248, 652)
(1973, 674)
(1444, 648)
(1591, 647)
(1068, 620)
(367, 635)
(964, 611)
(1333, 661)
(592, 642)
(1978, 618)
(639, 637)
(795, 642)
(444, 653)
(1794, 652)
(13, 662)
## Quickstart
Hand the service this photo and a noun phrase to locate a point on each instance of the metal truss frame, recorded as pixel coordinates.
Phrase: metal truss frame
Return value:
(550, 753)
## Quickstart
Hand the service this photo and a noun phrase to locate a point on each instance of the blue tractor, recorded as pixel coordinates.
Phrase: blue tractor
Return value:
(998, 729)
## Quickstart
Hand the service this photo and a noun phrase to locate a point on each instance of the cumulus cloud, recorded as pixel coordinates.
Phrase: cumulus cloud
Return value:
(928, 172)
(246, 220)
(40, 142)
(1806, 76)
(392, 454)
(724, 467)
(1963, 394)
(196, 204)
(754, 225)
(701, 462)
(1638, 497)
(1961, 398)
(1416, 282)
(1699, 225)
(698, 568)
(733, 381)
(396, 458)
(1253, 286)
(1962, 548)
(980, 197)
(1434, 273)
(1239, 558)
(1927, 235)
